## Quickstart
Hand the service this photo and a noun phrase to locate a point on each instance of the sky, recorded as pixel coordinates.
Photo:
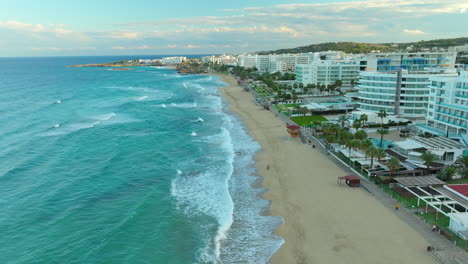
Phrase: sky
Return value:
(155, 27)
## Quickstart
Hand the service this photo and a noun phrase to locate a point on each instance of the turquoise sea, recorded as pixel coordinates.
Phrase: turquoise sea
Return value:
(139, 166)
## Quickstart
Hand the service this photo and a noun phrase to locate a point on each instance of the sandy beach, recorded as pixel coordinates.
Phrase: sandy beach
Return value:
(324, 223)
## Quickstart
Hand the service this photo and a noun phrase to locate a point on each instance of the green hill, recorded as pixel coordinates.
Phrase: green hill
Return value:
(356, 47)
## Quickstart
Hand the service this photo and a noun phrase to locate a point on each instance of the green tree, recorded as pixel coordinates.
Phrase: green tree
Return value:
(361, 135)
(428, 158)
(382, 114)
(464, 168)
(448, 173)
(363, 119)
(352, 83)
(393, 164)
(366, 145)
(352, 144)
(372, 152)
(343, 119)
(357, 124)
(380, 154)
(382, 133)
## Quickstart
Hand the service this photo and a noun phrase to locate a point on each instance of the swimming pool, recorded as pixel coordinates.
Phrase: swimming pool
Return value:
(385, 143)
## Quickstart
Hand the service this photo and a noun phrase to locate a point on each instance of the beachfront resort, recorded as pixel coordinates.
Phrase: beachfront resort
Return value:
(397, 120)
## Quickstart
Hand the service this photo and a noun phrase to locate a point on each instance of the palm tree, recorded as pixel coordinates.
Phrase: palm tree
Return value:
(464, 169)
(428, 158)
(298, 109)
(366, 145)
(305, 110)
(345, 137)
(363, 119)
(449, 172)
(393, 164)
(382, 132)
(352, 144)
(361, 135)
(380, 154)
(357, 124)
(371, 152)
(343, 119)
(382, 114)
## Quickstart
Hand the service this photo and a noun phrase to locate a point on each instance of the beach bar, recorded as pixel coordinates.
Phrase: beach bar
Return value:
(350, 180)
(293, 130)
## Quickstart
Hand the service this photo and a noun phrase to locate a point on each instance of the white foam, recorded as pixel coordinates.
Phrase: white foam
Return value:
(57, 125)
(163, 106)
(179, 172)
(105, 117)
(63, 130)
(173, 104)
(58, 101)
(141, 98)
(193, 134)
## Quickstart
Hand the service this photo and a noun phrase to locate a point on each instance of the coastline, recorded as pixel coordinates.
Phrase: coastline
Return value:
(323, 223)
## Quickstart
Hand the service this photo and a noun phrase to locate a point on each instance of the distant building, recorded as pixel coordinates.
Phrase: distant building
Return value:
(327, 72)
(275, 62)
(384, 62)
(221, 60)
(173, 60)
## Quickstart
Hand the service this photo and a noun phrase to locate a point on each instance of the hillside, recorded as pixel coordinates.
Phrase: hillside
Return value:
(356, 47)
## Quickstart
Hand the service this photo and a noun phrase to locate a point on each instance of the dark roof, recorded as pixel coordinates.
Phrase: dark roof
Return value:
(293, 127)
(349, 177)
(395, 154)
(419, 181)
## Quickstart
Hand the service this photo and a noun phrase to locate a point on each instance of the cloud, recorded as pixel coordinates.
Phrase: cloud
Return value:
(414, 31)
(123, 35)
(260, 27)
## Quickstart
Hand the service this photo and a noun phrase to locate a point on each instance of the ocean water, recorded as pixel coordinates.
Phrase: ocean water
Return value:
(139, 166)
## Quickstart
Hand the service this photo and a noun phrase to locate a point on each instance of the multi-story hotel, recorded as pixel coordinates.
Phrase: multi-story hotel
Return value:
(447, 112)
(275, 63)
(401, 93)
(384, 62)
(327, 72)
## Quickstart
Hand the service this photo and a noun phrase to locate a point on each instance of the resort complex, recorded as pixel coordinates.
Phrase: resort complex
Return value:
(398, 121)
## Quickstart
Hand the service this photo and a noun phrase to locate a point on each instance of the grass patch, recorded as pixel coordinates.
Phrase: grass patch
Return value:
(262, 91)
(292, 105)
(307, 120)
(458, 181)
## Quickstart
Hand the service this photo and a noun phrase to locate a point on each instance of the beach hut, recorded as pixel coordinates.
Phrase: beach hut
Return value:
(293, 130)
(350, 180)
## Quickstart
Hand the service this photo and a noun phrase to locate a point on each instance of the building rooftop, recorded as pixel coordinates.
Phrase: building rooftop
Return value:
(459, 189)
(438, 143)
(419, 181)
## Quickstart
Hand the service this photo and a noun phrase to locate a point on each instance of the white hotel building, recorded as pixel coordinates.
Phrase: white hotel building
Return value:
(275, 63)
(448, 106)
(400, 93)
(327, 72)
(417, 61)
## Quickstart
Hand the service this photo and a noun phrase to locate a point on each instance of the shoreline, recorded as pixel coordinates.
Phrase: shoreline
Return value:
(323, 223)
